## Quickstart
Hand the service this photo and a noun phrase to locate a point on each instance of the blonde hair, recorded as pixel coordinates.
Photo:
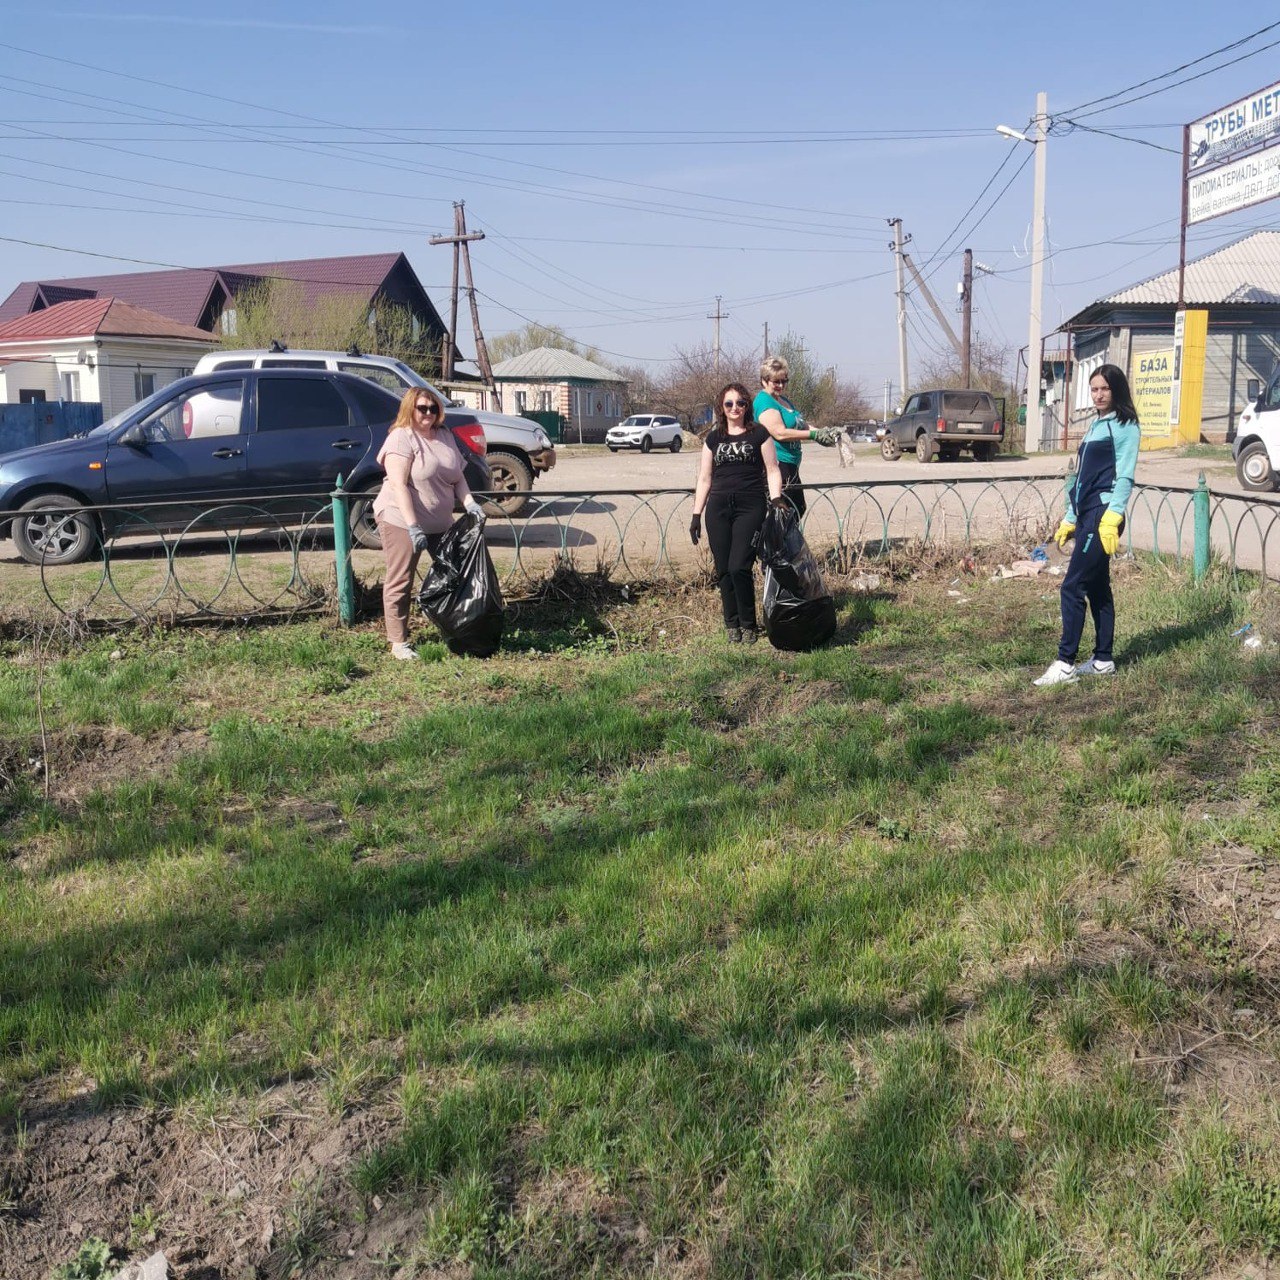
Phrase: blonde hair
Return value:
(774, 366)
(404, 417)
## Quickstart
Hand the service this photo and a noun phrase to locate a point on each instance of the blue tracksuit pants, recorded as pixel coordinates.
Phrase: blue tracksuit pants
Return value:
(1088, 580)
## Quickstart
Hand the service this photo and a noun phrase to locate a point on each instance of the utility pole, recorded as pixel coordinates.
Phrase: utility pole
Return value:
(766, 339)
(888, 387)
(938, 314)
(717, 317)
(966, 328)
(459, 240)
(1035, 341)
(899, 243)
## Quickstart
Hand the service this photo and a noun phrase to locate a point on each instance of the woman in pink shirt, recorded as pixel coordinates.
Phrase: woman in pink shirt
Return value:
(415, 504)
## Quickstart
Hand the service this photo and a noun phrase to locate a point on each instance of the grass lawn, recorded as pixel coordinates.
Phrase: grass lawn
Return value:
(631, 953)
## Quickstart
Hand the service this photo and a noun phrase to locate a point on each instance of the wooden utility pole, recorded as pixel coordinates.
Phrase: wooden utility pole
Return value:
(461, 240)
(717, 317)
(966, 330)
(897, 246)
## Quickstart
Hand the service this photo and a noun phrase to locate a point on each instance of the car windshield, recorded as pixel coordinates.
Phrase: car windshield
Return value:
(112, 423)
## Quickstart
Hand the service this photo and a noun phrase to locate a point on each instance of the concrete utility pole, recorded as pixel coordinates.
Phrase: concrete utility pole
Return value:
(1035, 341)
(717, 317)
(966, 327)
(459, 240)
(897, 246)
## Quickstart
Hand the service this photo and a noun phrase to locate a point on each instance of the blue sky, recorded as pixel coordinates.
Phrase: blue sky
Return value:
(626, 169)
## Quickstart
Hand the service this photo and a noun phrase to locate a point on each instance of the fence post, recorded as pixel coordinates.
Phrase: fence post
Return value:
(1201, 506)
(342, 555)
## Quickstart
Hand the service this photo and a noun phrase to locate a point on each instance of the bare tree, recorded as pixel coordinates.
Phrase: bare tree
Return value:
(278, 311)
(533, 336)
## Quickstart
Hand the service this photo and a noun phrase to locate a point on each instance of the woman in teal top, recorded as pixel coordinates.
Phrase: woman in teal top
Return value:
(1096, 503)
(775, 412)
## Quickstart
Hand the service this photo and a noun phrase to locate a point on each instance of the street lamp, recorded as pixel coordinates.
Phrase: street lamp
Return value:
(1037, 138)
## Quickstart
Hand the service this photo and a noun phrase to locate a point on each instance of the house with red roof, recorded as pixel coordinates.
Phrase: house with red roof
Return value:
(95, 349)
(205, 297)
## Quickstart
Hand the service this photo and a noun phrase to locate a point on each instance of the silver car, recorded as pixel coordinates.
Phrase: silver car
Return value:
(516, 450)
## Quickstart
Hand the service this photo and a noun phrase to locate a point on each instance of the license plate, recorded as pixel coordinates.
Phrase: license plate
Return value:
(969, 426)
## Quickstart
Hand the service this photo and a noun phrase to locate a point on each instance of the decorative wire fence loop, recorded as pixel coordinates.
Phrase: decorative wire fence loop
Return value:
(276, 555)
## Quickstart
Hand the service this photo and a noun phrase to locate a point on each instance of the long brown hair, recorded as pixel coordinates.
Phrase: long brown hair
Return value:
(748, 419)
(404, 418)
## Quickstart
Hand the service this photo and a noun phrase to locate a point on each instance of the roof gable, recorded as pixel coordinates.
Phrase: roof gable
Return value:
(550, 363)
(87, 317)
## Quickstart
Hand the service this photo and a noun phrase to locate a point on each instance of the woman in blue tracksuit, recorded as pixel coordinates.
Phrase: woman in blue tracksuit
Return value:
(1096, 503)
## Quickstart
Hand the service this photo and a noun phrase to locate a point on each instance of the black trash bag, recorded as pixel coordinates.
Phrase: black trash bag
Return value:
(799, 612)
(460, 592)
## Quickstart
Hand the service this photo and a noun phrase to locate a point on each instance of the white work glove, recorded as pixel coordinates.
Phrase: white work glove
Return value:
(473, 508)
(417, 537)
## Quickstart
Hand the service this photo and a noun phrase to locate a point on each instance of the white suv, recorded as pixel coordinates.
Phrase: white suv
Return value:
(516, 448)
(645, 430)
(1257, 444)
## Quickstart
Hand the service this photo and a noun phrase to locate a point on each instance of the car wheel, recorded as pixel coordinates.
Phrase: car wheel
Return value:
(364, 528)
(984, 452)
(926, 448)
(53, 533)
(511, 477)
(889, 449)
(1253, 466)
(677, 442)
(646, 444)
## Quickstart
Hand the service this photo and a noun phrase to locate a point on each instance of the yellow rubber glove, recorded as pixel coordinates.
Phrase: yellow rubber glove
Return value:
(1109, 531)
(1062, 533)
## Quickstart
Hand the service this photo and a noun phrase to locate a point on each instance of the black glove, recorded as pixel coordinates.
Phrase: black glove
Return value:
(783, 504)
(695, 529)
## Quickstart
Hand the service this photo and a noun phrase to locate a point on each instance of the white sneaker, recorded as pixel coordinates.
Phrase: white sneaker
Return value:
(1059, 672)
(1095, 668)
(405, 652)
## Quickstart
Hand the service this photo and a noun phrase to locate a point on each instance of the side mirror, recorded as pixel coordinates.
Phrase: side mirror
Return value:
(135, 437)
(1253, 389)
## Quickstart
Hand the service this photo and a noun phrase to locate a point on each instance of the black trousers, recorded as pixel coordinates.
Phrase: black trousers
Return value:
(791, 489)
(733, 521)
(1088, 579)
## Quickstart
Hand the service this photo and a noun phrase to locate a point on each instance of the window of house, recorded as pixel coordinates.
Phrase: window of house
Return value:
(144, 385)
(544, 401)
(228, 321)
(70, 382)
(28, 395)
(521, 401)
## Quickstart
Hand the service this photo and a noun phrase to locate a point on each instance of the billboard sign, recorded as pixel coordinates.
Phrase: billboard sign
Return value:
(1251, 122)
(1249, 180)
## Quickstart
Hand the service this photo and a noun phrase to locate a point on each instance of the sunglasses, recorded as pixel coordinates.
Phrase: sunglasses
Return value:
(426, 408)
(735, 404)
(778, 382)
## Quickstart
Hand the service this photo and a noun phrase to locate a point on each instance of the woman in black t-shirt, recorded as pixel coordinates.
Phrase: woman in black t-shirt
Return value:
(737, 471)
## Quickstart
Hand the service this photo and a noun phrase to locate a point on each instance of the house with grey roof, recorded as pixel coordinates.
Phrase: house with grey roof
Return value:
(205, 297)
(1239, 286)
(589, 397)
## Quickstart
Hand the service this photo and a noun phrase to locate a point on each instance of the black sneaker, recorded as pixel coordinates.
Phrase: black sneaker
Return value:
(733, 635)
(750, 635)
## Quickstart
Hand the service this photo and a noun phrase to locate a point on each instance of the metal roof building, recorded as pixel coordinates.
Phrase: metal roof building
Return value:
(1239, 286)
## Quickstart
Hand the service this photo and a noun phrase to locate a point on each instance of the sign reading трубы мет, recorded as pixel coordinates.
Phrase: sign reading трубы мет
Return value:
(1251, 122)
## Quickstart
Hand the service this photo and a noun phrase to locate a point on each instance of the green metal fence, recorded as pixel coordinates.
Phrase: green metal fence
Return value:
(240, 560)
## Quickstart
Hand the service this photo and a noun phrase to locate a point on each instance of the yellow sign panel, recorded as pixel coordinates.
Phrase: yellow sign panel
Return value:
(1152, 382)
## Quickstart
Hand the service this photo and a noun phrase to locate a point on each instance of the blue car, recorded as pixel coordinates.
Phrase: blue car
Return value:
(276, 439)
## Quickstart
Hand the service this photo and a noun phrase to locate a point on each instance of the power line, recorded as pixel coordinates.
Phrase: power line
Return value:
(1204, 57)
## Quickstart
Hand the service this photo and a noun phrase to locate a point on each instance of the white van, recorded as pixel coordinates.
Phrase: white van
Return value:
(516, 448)
(1257, 445)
